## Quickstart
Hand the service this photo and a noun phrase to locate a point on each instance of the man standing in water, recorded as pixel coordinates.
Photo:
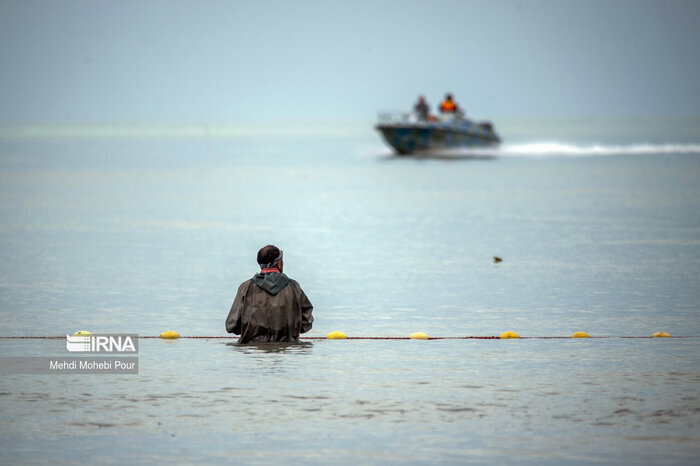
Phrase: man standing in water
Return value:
(270, 307)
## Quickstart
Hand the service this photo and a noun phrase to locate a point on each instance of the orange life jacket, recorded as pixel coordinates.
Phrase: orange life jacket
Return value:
(448, 106)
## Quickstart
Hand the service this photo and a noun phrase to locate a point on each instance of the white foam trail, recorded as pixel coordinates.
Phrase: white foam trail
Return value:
(547, 149)
(542, 149)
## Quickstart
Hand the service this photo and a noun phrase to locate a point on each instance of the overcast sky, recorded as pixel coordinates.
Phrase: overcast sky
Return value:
(177, 61)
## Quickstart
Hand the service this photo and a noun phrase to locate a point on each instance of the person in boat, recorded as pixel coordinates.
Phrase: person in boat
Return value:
(448, 105)
(422, 109)
(270, 307)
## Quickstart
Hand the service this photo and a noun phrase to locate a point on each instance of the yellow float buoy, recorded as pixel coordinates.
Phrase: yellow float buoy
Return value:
(419, 336)
(170, 335)
(336, 336)
(580, 335)
(661, 335)
(82, 333)
(508, 335)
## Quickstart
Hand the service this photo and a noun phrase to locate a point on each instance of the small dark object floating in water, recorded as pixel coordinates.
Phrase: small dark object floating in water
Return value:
(497, 259)
(408, 135)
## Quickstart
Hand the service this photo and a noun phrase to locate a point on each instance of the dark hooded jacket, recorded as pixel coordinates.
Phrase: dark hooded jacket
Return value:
(270, 307)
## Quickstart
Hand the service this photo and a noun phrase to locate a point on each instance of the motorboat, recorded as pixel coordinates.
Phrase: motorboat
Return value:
(408, 134)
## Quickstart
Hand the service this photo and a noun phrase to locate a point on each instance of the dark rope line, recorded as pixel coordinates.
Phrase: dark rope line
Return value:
(60, 337)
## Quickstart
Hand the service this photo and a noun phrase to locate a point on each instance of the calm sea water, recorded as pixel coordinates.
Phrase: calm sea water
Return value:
(144, 230)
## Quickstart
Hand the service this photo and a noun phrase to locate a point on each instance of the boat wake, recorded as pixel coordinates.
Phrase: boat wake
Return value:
(556, 149)
(540, 149)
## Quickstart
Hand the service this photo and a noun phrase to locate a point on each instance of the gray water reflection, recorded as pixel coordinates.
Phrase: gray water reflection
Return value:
(543, 400)
(301, 347)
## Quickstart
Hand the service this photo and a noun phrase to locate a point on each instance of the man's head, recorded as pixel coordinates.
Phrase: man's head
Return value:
(270, 256)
